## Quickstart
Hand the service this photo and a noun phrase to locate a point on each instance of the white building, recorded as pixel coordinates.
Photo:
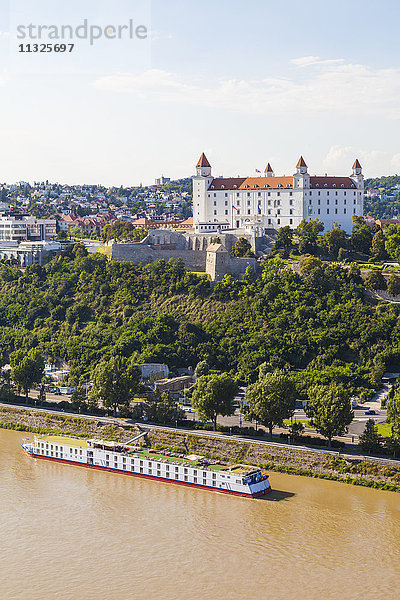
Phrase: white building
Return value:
(21, 228)
(256, 204)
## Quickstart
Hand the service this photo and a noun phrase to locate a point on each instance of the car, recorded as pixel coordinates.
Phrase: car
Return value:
(370, 412)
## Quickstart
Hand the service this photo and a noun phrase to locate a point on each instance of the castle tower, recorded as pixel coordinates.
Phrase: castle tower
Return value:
(201, 183)
(203, 167)
(357, 176)
(301, 178)
(268, 171)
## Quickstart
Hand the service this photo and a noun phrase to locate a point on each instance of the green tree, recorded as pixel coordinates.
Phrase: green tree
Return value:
(42, 395)
(271, 399)
(214, 396)
(392, 244)
(202, 368)
(284, 239)
(242, 249)
(369, 439)
(78, 398)
(393, 416)
(308, 232)
(329, 409)
(393, 285)
(375, 280)
(26, 369)
(334, 239)
(361, 236)
(115, 380)
(378, 250)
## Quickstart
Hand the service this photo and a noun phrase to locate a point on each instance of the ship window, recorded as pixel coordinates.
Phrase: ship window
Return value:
(124, 459)
(51, 447)
(176, 469)
(214, 483)
(150, 471)
(185, 470)
(141, 462)
(186, 477)
(141, 469)
(195, 479)
(214, 475)
(238, 481)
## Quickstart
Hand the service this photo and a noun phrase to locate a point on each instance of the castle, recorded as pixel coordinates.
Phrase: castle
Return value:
(257, 204)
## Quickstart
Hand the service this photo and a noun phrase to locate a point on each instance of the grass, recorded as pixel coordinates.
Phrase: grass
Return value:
(305, 422)
(384, 429)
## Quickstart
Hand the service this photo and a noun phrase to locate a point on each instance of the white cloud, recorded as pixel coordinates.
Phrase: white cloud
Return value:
(339, 159)
(308, 61)
(337, 87)
(395, 162)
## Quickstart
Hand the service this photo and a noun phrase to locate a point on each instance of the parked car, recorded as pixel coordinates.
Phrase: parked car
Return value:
(371, 411)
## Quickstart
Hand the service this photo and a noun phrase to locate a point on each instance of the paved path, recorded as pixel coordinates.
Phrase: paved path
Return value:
(202, 433)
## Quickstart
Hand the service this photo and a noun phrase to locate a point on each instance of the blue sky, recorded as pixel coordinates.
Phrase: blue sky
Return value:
(246, 82)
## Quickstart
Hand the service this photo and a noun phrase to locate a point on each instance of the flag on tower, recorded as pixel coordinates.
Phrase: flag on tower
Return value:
(257, 171)
(234, 207)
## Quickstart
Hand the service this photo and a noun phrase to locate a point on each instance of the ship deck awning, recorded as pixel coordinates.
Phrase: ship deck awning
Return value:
(62, 440)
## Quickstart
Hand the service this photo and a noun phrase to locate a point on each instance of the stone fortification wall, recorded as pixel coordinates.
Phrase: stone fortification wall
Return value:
(141, 253)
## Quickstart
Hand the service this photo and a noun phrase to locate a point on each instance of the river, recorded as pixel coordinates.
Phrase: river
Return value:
(69, 533)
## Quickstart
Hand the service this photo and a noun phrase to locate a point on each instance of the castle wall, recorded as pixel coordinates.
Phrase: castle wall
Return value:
(141, 253)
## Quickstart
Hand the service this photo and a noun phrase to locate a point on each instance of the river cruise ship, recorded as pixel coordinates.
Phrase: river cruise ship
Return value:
(167, 466)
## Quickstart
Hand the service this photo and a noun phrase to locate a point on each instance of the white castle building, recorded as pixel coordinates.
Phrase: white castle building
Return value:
(258, 204)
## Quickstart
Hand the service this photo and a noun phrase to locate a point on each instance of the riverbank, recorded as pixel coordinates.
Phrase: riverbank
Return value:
(272, 457)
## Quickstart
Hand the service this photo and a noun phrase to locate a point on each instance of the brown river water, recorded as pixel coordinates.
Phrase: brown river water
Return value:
(69, 533)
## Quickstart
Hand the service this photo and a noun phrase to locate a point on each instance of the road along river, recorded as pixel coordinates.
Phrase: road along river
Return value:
(69, 533)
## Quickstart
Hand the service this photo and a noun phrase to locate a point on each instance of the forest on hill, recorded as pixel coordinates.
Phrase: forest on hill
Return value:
(315, 323)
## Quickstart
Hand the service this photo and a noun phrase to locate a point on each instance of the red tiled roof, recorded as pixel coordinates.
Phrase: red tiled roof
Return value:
(228, 183)
(241, 183)
(301, 162)
(332, 182)
(203, 162)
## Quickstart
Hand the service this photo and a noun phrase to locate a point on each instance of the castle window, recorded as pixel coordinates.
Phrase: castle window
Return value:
(237, 194)
(215, 212)
(226, 202)
(354, 211)
(215, 195)
(255, 186)
(335, 193)
(279, 185)
(269, 221)
(344, 211)
(226, 195)
(310, 201)
(288, 185)
(226, 212)
(354, 201)
(269, 211)
(291, 221)
(317, 185)
(344, 201)
(266, 185)
(319, 193)
(278, 221)
(327, 211)
(248, 202)
(246, 186)
(335, 211)
(334, 185)
(213, 187)
(344, 193)
(222, 187)
(335, 200)
(269, 193)
(278, 193)
(248, 194)
(278, 212)
(235, 186)
(319, 211)
(248, 212)
(342, 185)
(291, 193)
(319, 201)
(327, 202)
(215, 203)
(291, 211)
(259, 194)
(325, 185)
(290, 202)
